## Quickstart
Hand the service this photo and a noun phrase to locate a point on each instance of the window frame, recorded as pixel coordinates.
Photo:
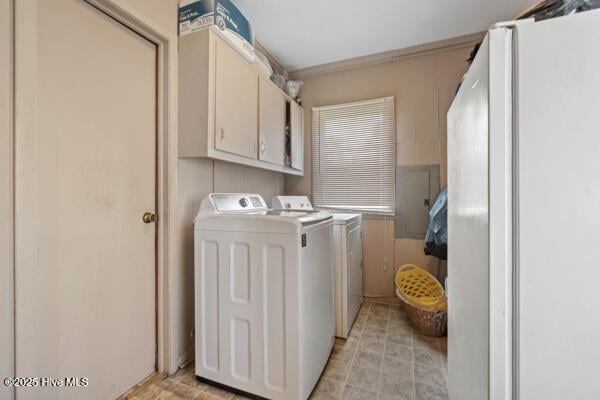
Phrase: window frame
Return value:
(386, 206)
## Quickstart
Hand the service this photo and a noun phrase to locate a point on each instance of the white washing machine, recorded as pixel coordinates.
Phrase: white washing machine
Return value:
(264, 313)
(347, 234)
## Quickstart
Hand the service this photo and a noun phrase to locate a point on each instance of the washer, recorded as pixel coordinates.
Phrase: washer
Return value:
(347, 234)
(264, 308)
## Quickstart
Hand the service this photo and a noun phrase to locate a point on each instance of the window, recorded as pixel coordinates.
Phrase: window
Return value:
(354, 156)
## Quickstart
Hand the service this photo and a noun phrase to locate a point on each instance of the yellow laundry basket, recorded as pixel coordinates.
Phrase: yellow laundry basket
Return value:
(425, 301)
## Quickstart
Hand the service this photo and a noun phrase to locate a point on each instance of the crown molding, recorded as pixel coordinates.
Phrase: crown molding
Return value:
(390, 56)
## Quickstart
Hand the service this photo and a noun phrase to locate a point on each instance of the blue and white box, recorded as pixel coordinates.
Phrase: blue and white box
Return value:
(223, 18)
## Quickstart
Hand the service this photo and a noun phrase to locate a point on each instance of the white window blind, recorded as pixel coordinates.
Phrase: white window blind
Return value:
(354, 156)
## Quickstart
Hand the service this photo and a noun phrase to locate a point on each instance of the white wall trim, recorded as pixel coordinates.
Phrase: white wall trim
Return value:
(167, 45)
(7, 305)
(389, 56)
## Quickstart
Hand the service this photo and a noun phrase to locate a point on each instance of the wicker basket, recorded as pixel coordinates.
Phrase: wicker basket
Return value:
(424, 298)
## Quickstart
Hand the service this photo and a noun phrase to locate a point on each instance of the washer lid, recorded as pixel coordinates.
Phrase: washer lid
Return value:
(304, 217)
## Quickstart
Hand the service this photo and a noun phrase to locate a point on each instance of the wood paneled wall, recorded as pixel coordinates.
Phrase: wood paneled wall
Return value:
(423, 87)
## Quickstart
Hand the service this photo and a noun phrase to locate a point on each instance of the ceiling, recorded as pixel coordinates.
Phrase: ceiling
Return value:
(305, 33)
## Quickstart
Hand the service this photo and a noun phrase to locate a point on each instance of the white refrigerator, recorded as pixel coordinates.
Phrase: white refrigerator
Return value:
(524, 215)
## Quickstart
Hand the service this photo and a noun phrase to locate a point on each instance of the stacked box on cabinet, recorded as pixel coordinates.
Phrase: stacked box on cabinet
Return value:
(223, 18)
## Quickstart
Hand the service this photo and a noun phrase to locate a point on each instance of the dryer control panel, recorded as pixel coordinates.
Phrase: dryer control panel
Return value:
(291, 202)
(232, 202)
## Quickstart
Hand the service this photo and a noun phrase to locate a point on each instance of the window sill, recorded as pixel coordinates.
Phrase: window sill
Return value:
(366, 214)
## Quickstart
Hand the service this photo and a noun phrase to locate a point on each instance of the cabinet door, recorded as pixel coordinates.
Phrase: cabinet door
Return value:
(271, 123)
(236, 110)
(297, 124)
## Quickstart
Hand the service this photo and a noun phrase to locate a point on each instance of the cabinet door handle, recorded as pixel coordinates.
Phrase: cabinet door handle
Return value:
(262, 147)
(222, 133)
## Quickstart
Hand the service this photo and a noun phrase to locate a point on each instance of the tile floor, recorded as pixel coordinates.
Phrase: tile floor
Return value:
(382, 359)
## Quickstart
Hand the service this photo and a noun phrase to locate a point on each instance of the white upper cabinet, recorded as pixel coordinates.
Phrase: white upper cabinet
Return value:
(228, 111)
(297, 136)
(236, 109)
(271, 122)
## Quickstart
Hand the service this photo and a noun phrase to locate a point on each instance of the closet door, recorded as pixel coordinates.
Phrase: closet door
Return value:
(85, 162)
(236, 110)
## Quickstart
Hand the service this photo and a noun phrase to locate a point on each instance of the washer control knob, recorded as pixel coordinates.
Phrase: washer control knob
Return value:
(244, 202)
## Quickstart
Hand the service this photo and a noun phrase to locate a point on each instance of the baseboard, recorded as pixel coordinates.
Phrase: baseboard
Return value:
(186, 357)
(391, 300)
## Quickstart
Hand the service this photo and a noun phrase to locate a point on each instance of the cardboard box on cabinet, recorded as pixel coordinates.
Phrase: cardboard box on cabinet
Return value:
(224, 18)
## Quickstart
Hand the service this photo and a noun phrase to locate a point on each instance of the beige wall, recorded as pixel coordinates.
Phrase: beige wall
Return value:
(162, 12)
(423, 87)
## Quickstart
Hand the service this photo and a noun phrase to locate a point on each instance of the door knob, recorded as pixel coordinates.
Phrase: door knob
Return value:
(149, 217)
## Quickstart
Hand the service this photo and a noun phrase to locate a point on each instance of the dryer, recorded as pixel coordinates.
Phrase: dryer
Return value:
(348, 280)
(264, 313)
